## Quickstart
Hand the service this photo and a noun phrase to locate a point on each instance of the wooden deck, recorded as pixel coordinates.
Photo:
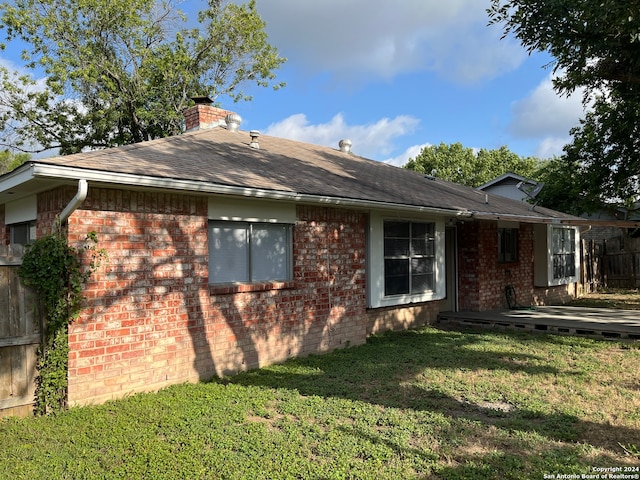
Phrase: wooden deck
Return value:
(604, 323)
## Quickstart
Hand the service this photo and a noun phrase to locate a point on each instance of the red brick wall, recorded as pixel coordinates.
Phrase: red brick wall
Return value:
(402, 317)
(153, 320)
(203, 116)
(482, 278)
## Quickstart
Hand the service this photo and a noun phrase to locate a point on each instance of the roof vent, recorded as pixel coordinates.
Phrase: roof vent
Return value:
(254, 134)
(233, 121)
(345, 145)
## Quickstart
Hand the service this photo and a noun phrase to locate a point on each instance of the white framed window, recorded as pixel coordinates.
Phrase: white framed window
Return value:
(556, 255)
(409, 257)
(564, 252)
(406, 260)
(242, 252)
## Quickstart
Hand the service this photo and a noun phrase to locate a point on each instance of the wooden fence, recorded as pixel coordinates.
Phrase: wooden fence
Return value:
(21, 330)
(622, 269)
(615, 263)
(591, 266)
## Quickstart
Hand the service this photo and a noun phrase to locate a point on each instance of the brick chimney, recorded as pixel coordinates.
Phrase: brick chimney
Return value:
(203, 115)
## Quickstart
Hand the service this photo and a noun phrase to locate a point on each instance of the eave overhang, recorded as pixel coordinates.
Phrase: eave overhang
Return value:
(35, 177)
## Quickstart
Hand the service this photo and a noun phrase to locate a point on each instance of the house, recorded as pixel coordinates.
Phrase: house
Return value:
(511, 186)
(230, 250)
(608, 224)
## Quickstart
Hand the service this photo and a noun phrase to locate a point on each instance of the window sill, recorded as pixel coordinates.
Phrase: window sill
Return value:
(231, 288)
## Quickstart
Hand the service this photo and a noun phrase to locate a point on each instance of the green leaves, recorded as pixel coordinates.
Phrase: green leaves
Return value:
(120, 72)
(57, 272)
(464, 165)
(596, 47)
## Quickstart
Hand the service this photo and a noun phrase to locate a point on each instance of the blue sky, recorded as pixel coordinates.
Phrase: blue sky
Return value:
(396, 76)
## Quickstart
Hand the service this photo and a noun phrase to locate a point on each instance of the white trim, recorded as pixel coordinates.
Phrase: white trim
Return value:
(543, 257)
(251, 210)
(375, 270)
(23, 210)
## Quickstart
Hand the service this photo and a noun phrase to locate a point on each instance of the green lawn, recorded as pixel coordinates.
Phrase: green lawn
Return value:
(417, 404)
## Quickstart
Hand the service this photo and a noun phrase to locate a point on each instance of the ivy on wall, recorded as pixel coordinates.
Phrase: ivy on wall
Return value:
(58, 273)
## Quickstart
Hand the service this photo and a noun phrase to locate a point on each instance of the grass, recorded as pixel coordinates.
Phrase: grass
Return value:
(416, 404)
(611, 298)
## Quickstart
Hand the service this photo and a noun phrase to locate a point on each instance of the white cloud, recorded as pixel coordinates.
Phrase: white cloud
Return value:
(544, 112)
(411, 152)
(545, 115)
(368, 140)
(551, 146)
(360, 39)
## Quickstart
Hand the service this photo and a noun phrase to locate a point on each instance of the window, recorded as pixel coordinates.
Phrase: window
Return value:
(409, 257)
(249, 252)
(556, 255)
(564, 252)
(22, 233)
(507, 245)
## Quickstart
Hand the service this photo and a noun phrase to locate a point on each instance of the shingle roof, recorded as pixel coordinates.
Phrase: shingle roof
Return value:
(221, 157)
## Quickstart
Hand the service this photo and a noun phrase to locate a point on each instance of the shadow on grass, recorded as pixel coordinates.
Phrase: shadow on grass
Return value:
(383, 373)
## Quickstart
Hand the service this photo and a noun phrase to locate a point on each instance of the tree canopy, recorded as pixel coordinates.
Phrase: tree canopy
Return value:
(466, 166)
(596, 46)
(10, 160)
(122, 71)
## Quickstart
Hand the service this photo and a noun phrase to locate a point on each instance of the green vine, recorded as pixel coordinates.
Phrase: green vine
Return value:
(57, 272)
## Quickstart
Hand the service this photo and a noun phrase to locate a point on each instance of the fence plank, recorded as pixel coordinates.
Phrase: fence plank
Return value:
(4, 302)
(6, 383)
(20, 337)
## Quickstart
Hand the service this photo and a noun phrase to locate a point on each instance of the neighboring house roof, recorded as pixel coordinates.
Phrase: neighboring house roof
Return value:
(216, 160)
(506, 185)
(508, 178)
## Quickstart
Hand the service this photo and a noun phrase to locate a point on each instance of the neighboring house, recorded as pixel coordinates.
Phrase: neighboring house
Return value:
(229, 251)
(512, 186)
(607, 225)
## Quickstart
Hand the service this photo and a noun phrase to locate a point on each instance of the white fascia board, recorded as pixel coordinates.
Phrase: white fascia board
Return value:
(114, 178)
(16, 178)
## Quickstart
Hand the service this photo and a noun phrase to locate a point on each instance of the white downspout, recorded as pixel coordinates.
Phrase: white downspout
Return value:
(76, 201)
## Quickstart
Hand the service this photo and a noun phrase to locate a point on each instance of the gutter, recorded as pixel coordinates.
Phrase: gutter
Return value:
(571, 221)
(58, 172)
(76, 201)
(113, 178)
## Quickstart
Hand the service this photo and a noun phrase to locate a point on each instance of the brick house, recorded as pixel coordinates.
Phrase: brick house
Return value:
(229, 250)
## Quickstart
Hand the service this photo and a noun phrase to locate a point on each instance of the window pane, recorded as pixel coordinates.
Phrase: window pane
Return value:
(421, 283)
(396, 247)
(422, 230)
(269, 247)
(421, 275)
(508, 244)
(396, 276)
(422, 247)
(396, 229)
(19, 233)
(229, 252)
(564, 248)
(409, 250)
(421, 265)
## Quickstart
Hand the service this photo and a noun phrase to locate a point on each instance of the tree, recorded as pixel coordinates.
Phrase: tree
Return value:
(122, 71)
(463, 165)
(596, 46)
(562, 186)
(9, 160)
